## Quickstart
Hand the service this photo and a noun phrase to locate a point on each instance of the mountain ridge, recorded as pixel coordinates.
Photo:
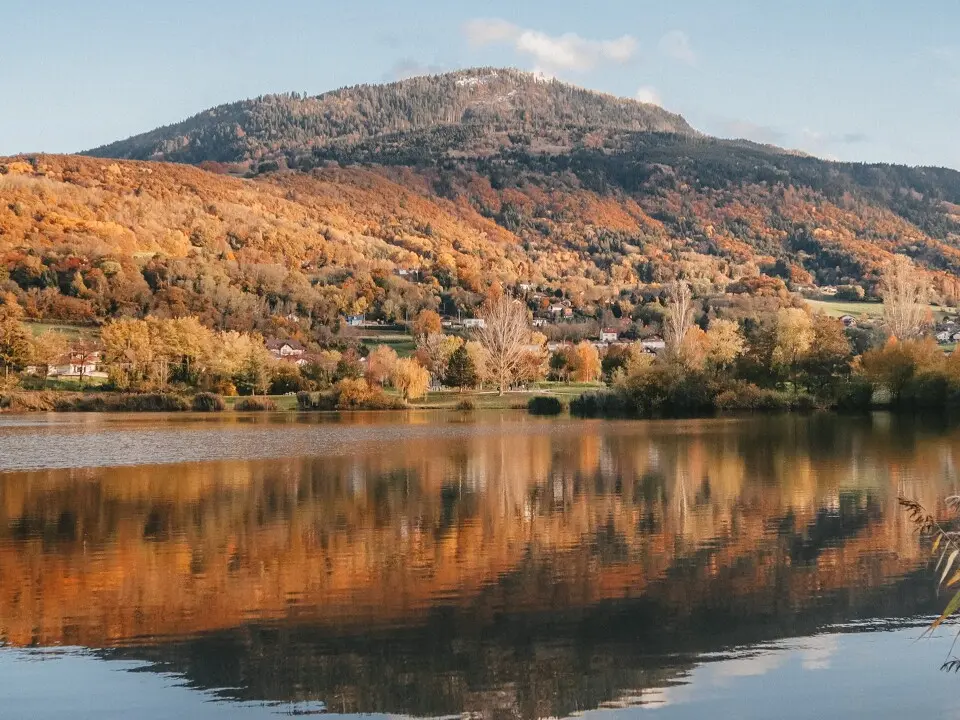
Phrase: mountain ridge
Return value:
(506, 99)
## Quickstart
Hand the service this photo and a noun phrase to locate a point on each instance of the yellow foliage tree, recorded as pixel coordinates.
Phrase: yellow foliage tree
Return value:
(410, 379)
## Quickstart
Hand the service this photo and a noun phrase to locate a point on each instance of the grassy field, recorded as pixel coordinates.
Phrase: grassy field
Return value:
(838, 308)
(71, 331)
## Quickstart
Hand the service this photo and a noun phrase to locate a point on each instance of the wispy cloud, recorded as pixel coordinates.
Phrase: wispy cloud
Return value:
(648, 94)
(409, 67)
(677, 46)
(551, 53)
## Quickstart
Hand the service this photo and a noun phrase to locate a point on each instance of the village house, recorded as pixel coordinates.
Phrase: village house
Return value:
(354, 320)
(653, 344)
(943, 337)
(609, 335)
(289, 350)
(472, 323)
(75, 366)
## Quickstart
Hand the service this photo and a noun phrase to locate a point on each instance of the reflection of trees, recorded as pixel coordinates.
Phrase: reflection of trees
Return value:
(546, 564)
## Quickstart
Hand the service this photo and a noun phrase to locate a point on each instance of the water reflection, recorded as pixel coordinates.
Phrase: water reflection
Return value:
(512, 567)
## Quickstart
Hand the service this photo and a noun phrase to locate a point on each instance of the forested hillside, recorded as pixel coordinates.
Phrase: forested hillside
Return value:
(385, 200)
(504, 104)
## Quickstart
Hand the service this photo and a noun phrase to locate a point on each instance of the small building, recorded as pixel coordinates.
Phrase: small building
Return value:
(539, 322)
(472, 323)
(77, 366)
(286, 349)
(355, 320)
(943, 337)
(653, 344)
(955, 337)
(828, 290)
(609, 335)
(556, 309)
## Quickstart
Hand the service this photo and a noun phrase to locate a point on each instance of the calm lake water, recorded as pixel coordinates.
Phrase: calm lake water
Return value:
(492, 565)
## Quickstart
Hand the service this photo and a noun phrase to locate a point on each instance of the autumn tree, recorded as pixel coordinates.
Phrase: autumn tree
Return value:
(505, 335)
(128, 351)
(15, 339)
(678, 316)
(461, 371)
(410, 379)
(724, 343)
(827, 360)
(897, 362)
(380, 364)
(84, 351)
(46, 350)
(588, 367)
(434, 351)
(257, 373)
(793, 338)
(427, 322)
(906, 293)
(480, 359)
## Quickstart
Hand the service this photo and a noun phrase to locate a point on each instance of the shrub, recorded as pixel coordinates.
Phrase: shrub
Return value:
(744, 396)
(857, 394)
(601, 403)
(466, 405)
(255, 404)
(208, 402)
(543, 405)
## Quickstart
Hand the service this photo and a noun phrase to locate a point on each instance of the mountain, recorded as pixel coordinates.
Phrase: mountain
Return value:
(387, 199)
(501, 102)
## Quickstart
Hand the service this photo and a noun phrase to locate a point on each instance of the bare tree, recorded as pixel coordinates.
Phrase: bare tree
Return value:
(905, 294)
(504, 335)
(679, 315)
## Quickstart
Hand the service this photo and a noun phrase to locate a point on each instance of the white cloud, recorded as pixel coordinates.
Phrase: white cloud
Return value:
(409, 67)
(482, 31)
(551, 53)
(676, 45)
(648, 94)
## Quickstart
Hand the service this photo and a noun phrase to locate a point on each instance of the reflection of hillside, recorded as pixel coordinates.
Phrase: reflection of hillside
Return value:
(574, 554)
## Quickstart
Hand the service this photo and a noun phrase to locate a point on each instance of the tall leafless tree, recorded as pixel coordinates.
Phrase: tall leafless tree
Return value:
(679, 315)
(906, 294)
(505, 336)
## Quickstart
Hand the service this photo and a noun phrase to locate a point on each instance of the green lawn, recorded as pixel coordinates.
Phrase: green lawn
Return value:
(71, 331)
(838, 308)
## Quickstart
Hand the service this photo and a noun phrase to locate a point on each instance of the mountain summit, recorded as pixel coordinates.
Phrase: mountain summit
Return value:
(498, 102)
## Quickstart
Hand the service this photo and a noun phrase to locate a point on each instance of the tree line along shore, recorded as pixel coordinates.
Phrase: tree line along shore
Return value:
(789, 358)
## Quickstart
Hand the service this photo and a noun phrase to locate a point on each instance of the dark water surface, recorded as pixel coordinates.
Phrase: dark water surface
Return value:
(494, 565)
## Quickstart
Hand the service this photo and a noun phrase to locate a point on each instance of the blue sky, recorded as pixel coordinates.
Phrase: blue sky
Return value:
(851, 80)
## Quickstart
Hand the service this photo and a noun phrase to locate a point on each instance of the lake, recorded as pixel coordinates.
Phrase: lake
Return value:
(484, 564)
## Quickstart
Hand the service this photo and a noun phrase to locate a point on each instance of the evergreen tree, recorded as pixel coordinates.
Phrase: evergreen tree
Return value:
(461, 371)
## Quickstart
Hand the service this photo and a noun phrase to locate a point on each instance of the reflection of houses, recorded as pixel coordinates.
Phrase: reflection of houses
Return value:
(289, 350)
